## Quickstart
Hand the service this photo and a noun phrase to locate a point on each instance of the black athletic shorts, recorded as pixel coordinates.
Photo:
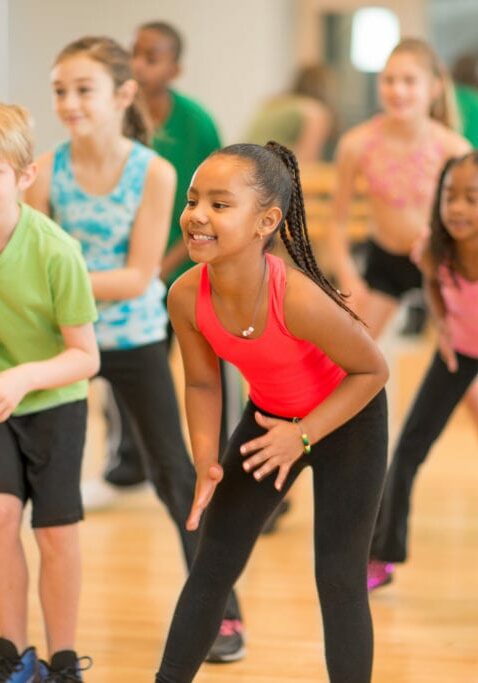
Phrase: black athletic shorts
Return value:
(40, 460)
(390, 274)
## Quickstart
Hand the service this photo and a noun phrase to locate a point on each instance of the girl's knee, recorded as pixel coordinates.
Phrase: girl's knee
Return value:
(341, 582)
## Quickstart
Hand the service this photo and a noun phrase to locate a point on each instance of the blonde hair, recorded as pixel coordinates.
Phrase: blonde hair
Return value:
(444, 108)
(16, 136)
(117, 61)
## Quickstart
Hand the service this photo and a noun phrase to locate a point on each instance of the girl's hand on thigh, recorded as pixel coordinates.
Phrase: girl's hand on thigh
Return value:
(205, 486)
(279, 448)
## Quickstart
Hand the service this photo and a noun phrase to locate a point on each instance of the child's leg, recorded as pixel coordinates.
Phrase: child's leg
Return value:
(60, 578)
(472, 402)
(233, 521)
(349, 468)
(143, 379)
(13, 572)
(439, 394)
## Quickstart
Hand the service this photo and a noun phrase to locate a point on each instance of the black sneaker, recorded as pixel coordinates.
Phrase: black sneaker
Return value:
(65, 667)
(15, 667)
(229, 643)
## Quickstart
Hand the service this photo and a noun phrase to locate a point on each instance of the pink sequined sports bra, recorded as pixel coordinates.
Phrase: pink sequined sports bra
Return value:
(407, 179)
(461, 303)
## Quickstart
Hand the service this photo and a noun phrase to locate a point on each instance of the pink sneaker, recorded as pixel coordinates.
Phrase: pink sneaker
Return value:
(379, 574)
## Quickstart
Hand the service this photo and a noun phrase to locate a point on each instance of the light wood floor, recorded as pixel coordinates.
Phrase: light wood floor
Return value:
(426, 623)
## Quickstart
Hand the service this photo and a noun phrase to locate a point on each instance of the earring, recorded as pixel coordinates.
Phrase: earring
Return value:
(261, 236)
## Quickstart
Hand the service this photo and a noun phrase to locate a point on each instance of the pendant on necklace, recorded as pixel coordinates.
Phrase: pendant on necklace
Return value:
(248, 332)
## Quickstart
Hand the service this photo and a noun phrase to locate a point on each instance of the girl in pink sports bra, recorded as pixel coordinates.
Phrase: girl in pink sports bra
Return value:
(450, 267)
(400, 153)
(316, 400)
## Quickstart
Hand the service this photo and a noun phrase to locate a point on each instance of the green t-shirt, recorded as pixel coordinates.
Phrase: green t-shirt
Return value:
(44, 284)
(467, 99)
(185, 139)
(280, 119)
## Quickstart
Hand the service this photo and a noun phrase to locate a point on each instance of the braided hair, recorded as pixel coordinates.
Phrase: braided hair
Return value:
(442, 244)
(276, 178)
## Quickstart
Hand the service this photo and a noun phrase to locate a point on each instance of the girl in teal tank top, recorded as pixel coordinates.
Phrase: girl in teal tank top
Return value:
(115, 196)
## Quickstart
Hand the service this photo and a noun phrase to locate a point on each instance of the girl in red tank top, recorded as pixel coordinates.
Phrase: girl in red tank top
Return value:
(450, 267)
(316, 399)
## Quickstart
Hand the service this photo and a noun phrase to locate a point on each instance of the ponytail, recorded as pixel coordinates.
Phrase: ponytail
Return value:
(276, 178)
(136, 122)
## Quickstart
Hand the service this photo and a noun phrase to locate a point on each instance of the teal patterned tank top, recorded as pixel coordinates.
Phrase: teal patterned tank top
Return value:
(103, 224)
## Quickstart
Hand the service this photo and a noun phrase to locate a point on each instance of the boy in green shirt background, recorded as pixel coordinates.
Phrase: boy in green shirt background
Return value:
(47, 351)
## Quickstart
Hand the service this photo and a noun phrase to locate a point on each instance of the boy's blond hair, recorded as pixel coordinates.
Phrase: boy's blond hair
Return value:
(16, 136)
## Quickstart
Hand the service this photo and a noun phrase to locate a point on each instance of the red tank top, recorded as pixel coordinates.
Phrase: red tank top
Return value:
(287, 376)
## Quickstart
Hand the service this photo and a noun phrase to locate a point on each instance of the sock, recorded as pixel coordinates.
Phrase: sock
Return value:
(64, 659)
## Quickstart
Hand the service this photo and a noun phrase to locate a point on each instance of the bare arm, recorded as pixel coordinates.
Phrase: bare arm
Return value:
(175, 257)
(338, 243)
(149, 235)
(436, 304)
(148, 239)
(312, 315)
(79, 360)
(203, 392)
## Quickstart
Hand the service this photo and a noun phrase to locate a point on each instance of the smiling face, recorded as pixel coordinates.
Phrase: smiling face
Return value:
(84, 96)
(407, 89)
(222, 215)
(459, 201)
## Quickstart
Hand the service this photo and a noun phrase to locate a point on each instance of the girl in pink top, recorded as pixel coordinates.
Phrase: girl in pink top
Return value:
(306, 356)
(450, 268)
(400, 153)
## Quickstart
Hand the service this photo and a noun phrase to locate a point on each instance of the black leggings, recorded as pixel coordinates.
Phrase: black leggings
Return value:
(141, 377)
(348, 470)
(439, 394)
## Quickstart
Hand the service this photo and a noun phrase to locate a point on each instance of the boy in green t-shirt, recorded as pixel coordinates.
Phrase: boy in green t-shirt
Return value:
(47, 352)
(184, 132)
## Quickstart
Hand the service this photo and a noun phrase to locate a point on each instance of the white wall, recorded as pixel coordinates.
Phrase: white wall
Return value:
(3, 50)
(236, 52)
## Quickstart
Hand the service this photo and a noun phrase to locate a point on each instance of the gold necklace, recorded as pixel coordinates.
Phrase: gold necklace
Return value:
(249, 330)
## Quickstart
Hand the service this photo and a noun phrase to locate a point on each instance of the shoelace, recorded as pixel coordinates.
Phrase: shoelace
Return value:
(70, 675)
(8, 667)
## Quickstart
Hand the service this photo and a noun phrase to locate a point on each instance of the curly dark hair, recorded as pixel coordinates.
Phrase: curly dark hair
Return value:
(276, 178)
(442, 244)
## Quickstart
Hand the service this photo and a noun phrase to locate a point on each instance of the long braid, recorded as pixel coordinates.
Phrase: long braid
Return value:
(294, 233)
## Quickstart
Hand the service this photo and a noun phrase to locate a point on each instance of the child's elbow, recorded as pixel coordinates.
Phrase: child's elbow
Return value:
(93, 366)
(382, 374)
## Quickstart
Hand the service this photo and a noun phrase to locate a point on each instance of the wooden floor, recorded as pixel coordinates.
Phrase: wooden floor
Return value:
(426, 622)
